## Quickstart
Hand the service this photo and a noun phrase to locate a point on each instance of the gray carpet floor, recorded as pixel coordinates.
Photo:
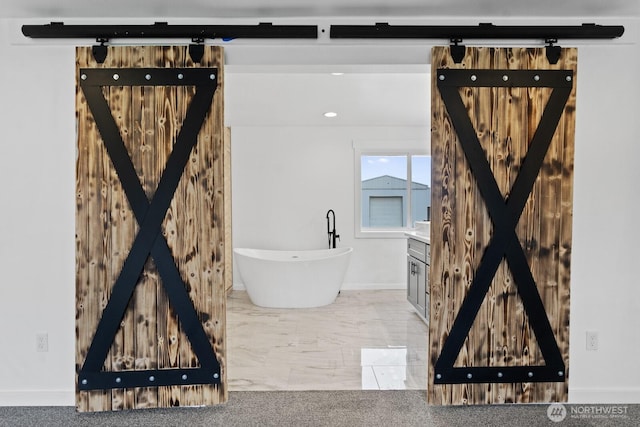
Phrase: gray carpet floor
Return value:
(328, 408)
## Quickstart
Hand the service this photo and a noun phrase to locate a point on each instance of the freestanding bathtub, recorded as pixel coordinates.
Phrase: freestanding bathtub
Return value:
(292, 279)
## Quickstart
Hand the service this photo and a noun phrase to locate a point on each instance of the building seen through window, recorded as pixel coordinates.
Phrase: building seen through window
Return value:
(395, 190)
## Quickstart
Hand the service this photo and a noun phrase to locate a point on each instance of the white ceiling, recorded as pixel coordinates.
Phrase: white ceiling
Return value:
(301, 99)
(386, 86)
(317, 8)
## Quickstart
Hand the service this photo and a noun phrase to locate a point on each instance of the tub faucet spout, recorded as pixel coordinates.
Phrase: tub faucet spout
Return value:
(331, 231)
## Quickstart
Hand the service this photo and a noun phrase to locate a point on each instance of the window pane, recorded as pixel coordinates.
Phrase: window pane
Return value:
(384, 183)
(420, 188)
(385, 211)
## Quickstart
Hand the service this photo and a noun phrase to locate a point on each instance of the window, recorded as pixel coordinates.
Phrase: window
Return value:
(392, 188)
(384, 211)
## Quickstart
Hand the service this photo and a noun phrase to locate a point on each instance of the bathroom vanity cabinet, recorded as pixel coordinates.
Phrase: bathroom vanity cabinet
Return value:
(418, 275)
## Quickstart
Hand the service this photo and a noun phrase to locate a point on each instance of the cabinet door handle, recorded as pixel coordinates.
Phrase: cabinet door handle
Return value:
(413, 269)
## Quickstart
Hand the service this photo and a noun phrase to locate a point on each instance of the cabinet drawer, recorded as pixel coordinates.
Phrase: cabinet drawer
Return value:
(418, 250)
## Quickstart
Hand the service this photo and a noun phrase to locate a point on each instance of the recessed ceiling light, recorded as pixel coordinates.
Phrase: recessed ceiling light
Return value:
(330, 114)
(337, 74)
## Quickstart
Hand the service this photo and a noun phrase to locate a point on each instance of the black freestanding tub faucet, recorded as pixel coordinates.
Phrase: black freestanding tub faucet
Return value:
(331, 231)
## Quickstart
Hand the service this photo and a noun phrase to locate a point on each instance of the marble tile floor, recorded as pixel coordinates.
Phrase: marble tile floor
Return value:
(366, 340)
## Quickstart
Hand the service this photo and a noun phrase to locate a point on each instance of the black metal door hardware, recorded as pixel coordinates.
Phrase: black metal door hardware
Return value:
(264, 30)
(149, 241)
(504, 214)
(383, 30)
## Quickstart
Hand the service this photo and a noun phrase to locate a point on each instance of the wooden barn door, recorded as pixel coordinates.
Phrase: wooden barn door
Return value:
(150, 240)
(502, 145)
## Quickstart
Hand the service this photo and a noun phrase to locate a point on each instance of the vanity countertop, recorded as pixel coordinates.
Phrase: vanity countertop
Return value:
(418, 236)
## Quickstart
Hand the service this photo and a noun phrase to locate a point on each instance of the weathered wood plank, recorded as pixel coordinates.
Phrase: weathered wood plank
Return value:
(171, 116)
(85, 131)
(188, 253)
(168, 325)
(98, 400)
(121, 350)
(91, 291)
(482, 119)
(219, 265)
(442, 190)
(146, 294)
(529, 225)
(130, 223)
(569, 61)
(504, 119)
(228, 254)
(149, 119)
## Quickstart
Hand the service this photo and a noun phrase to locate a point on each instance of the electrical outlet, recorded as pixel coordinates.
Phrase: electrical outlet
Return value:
(592, 340)
(42, 342)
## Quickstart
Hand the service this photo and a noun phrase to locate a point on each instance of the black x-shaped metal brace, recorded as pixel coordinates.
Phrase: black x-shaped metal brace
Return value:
(504, 215)
(149, 241)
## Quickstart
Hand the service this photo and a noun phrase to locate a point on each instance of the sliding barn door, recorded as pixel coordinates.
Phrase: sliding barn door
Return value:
(150, 241)
(502, 145)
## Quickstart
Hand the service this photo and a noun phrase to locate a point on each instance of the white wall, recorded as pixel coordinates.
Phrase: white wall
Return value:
(605, 291)
(37, 216)
(285, 179)
(37, 172)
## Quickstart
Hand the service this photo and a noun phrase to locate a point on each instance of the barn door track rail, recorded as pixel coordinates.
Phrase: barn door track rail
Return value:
(504, 215)
(149, 241)
(162, 30)
(455, 33)
(264, 30)
(381, 30)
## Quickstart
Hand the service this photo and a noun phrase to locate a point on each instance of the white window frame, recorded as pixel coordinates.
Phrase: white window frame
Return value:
(384, 148)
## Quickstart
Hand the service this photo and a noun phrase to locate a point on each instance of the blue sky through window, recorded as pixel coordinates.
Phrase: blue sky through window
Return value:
(421, 169)
(374, 166)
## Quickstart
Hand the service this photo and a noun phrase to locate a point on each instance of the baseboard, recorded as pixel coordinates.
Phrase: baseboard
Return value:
(612, 395)
(617, 395)
(349, 286)
(37, 398)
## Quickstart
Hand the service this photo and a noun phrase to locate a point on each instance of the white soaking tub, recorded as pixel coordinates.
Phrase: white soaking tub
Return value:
(292, 279)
